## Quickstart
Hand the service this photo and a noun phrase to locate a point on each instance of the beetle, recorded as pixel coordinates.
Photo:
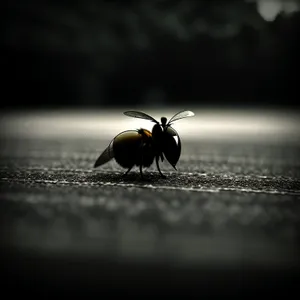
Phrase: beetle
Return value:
(140, 147)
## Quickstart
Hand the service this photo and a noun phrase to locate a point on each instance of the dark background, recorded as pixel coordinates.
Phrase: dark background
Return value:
(227, 222)
(149, 53)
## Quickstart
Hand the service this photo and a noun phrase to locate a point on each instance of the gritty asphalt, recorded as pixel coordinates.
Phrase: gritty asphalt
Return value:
(226, 222)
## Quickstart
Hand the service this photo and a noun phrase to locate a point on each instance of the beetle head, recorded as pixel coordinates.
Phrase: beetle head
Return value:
(163, 121)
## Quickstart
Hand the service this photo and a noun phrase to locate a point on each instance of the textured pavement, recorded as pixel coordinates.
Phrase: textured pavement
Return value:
(227, 222)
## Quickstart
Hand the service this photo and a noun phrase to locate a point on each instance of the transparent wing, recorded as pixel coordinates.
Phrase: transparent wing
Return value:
(180, 115)
(139, 114)
(105, 157)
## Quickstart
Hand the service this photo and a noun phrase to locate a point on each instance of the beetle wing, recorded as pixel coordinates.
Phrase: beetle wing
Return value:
(139, 114)
(106, 156)
(180, 115)
(171, 146)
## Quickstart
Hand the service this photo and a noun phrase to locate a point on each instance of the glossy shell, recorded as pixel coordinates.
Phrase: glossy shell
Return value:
(129, 148)
(171, 145)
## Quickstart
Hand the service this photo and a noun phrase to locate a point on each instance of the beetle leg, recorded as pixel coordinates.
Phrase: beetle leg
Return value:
(157, 165)
(162, 157)
(127, 171)
(141, 171)
(141, 163)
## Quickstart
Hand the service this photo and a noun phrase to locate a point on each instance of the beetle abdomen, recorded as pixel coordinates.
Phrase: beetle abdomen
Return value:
(147, 157)
(125, 147)
(133, 147)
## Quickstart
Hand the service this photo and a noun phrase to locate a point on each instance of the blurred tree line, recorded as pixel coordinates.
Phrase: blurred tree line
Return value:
(152, 52)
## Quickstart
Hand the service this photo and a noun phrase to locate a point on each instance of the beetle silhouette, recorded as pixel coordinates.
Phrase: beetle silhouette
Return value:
(140, 147)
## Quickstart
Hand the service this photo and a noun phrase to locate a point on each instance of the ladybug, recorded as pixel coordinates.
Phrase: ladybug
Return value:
(140, 147)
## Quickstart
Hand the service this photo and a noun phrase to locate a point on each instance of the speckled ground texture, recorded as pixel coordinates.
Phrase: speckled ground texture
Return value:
(227, 221)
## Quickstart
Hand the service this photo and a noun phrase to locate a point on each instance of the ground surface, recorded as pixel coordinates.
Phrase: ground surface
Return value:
(226, 221)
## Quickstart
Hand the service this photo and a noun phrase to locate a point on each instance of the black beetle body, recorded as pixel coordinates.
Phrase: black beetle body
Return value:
(129, 148)
(140, 147)
(166, 145)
